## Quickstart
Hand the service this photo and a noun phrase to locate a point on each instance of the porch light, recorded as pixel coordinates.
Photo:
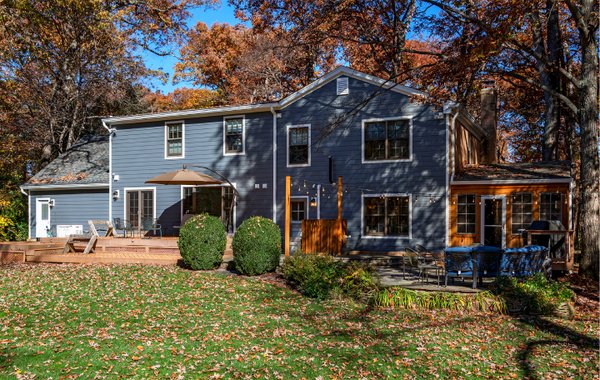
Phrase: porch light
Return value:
(313, 201)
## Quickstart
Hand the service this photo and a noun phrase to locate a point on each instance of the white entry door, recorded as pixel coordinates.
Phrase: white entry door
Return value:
(493, 221)
(42, 217)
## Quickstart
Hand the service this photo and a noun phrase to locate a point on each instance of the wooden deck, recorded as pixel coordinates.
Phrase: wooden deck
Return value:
(108, 251)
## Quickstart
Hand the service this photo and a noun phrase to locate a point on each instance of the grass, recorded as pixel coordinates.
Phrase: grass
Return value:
(164, 322)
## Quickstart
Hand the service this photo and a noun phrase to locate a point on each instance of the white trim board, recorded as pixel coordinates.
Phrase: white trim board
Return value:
(482, 217)
(512, 181)
(362, 216)
(68, 186)
(410, 139)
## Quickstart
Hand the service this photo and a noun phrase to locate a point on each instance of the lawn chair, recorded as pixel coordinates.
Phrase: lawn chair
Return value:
(422, 263)
(123, 225)
(149, 224)
(459, 262)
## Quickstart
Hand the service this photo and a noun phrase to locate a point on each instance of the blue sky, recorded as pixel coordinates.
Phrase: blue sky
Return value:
(219, 14)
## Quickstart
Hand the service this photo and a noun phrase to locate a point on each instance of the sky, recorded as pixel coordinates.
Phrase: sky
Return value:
(222, 13)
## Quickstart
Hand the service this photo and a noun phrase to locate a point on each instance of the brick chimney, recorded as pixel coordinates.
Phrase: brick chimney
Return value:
(489, 120)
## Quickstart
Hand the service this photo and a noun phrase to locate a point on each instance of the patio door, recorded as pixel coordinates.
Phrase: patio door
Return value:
(493, 221)
(139, 206)
(42, 217)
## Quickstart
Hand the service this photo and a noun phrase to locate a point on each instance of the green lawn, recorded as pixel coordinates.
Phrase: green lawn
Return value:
(163, 322)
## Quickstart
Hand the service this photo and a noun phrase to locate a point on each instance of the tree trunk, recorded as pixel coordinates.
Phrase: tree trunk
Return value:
(590, 163)
(554, 51)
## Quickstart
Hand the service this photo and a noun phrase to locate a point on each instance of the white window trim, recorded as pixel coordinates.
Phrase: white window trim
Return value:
(457, 203)
(410, 139)
(512, 203)
(287, 149)
(306, 208)
(166, 148)
(126, 189)
(362, 216)
(540, 203)
(243, 152)
(212, 185)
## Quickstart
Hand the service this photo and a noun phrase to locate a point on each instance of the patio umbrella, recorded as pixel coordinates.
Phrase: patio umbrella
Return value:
(184, 177)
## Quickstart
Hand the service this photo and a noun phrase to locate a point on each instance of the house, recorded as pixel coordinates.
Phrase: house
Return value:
(403, 161)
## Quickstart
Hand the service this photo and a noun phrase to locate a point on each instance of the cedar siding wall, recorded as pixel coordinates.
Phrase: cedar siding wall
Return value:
(502, 190)
(423, 176)
(463, 138)
(71, 206)
(138, 155)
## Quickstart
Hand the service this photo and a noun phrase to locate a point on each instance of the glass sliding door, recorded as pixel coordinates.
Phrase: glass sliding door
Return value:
(139, 206)
(213, 200)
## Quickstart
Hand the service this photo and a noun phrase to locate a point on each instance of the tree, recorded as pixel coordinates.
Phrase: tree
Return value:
(181, 99)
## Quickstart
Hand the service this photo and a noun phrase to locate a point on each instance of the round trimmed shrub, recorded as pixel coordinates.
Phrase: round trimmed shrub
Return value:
(256, 246)
(202, 241)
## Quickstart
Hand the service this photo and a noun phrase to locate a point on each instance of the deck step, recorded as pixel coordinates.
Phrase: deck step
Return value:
(99, 258)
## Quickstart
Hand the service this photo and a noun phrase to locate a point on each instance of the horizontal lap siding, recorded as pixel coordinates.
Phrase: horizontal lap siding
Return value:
(423, 177)
(72, 206)
(138, 155)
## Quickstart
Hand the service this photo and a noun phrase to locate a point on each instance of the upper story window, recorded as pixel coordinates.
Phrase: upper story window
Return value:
(299, 145)
(386, 215)
(551, 206)
(174, 140)
(233, 135)
(387, 140)
(521, 212)
(466, 214)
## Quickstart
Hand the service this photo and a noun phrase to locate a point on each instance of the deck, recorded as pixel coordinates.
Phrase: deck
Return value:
(110, 250)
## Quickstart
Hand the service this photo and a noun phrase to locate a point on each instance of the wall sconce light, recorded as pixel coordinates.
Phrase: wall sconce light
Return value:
(313, 201)
(115, 177)
(51, 203)
(116, 195)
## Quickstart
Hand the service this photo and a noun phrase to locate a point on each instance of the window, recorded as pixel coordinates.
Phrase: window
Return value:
(386, 215)
(342, 87)
(298, 210)
(387, 140)
(174, 140)
(299, 145)
(233, 135)
(551, 206)
(521, 212)
(466, 214)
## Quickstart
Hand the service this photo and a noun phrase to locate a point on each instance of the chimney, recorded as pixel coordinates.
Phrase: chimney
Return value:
(489, 120)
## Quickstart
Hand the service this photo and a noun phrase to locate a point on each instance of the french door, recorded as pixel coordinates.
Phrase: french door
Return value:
(139, 206)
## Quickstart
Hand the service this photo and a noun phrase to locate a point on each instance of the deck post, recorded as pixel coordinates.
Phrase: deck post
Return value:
(286, 227)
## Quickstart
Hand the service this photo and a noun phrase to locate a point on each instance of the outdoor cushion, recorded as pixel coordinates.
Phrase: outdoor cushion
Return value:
(488, 261)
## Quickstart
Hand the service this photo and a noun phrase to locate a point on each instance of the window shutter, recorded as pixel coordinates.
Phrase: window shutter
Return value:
(342, 86)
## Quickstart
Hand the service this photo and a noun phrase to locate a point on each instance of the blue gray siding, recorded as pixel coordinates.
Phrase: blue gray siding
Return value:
(138, 155)
(71, 207)
(424, 177)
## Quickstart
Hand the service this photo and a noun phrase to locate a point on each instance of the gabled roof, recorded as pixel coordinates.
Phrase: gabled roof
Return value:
(558, 171)
(265, 107)
(85, 164)
(343, 70)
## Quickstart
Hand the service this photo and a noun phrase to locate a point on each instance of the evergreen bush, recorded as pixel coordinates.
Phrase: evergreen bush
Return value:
(202, 241)
(256, 246)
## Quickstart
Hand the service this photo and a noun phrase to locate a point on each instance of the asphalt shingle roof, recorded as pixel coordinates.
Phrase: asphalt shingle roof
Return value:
(86, 162)
(515, 171)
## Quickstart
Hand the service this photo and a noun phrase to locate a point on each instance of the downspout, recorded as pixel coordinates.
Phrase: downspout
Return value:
(28, 194)
(110, 177)
(274, 165)
(450, 109)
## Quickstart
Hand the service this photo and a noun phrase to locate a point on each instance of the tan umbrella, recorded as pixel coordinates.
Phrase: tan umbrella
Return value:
(184, 177)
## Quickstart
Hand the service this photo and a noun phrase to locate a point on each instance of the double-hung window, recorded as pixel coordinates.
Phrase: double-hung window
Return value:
(174, 140)
(233, 132)
(521, 212)
(386, 215)
(299, 145)
(551, 206)
(386, 140)
(466, 214)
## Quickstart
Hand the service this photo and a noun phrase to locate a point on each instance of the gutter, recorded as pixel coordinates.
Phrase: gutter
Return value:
(274, 113)
(66, 186)
(28, 211)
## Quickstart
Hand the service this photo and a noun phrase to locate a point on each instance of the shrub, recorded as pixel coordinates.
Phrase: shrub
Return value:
(319, 276)
(202, 241)
(256, 246)
(535, 295)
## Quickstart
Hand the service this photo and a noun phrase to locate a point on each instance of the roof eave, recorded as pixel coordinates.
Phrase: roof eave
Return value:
(531, 181)
(65, 186)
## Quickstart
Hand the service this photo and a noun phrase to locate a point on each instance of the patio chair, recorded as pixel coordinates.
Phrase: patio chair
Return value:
(458, 263)
(123, 225)
(422, 263)
(149, 224)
